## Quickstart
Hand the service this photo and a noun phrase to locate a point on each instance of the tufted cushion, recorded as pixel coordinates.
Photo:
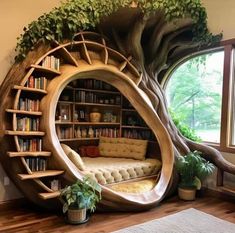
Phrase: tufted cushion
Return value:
(123, 148)
(73, 156)
(113, 170)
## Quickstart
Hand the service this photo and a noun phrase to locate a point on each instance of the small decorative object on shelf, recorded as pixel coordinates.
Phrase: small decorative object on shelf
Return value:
(75, 115)
(95, 115)
(90, 132)
(78, 133)
(84, 133)
(55, 185)
(65, 112)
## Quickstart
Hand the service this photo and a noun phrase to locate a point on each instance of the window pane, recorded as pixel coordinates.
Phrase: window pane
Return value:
(194, 93)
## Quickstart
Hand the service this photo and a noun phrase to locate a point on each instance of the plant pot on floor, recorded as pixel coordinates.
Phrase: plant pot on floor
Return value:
(187, 194)
(76, 216)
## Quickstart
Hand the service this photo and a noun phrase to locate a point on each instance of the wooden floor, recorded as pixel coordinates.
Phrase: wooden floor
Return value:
(25, 220)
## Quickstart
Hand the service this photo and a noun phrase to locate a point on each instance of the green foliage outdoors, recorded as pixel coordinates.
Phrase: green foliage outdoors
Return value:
(82, 194)
(193, 169)
(75, 15)
(194, 94)
(184, 129)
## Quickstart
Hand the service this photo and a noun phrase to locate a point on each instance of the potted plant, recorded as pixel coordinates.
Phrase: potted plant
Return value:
(79, 197)
(192, 169)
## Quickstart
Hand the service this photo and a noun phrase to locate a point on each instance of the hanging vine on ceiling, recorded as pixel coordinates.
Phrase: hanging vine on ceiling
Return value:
(75, 15)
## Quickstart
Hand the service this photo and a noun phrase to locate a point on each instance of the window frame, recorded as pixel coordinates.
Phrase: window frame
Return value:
(228, 93)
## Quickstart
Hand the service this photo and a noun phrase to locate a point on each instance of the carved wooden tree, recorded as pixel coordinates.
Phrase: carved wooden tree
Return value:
(154, 44)
(150, 41)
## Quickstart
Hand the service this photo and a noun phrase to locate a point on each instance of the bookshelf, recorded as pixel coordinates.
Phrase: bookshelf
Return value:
(89, 57)
(118, 118)
(26, 128)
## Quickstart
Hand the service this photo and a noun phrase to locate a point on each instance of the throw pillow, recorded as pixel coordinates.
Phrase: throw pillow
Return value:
(123, 148)
(89, 151)
(74, 157)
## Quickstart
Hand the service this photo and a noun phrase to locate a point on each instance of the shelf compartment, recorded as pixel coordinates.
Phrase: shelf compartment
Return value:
(40, 174)
(29, 153)
(129, 110)
(29, 89)
(97, 123)
(23, 112)
(134, 127)
(45, 69)
(24, 133)
(51, 195)
(98, 91)
(64, 123)
(98, 105)
(77, 139)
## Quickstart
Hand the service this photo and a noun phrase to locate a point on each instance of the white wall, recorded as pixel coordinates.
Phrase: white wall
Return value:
(15, 14)
(221, 17)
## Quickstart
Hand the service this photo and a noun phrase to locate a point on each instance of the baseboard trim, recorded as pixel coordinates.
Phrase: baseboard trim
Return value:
(220, 194)
(14, 203)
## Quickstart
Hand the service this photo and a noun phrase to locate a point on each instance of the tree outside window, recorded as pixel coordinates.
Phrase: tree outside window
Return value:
(194, 94)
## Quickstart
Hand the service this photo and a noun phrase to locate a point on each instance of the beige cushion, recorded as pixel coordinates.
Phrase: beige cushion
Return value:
(123, 148)
(73, 156)
(113, 170)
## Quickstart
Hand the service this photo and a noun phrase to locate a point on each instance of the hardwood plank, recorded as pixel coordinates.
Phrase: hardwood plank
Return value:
(35, 220)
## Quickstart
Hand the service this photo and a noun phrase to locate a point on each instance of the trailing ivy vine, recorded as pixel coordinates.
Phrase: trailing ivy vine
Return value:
(75, 15)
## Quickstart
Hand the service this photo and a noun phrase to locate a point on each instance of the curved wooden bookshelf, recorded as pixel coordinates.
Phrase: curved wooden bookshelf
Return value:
(28, 89)
(29, 153)
(89, 57)
(33, 113)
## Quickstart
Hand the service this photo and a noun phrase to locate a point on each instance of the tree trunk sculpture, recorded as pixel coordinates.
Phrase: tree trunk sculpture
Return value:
(154, 44)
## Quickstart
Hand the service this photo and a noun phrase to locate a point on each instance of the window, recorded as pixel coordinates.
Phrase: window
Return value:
(200, 90)
(194, 94)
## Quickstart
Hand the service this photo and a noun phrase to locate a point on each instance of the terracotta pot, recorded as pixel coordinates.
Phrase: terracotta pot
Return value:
(186, 194)
(76, 216)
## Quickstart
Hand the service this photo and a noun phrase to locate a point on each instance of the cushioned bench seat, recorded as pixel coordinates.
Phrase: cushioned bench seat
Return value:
(112, 170)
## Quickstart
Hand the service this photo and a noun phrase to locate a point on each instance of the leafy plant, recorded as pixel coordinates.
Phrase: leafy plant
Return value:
(184, 129)
(82, 194)
(74, 15)
(193, 169)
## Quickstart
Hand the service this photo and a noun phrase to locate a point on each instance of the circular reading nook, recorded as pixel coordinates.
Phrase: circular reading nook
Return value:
(50, 136)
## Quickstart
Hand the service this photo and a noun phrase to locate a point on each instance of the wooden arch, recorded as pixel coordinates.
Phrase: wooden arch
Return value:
(87, 57)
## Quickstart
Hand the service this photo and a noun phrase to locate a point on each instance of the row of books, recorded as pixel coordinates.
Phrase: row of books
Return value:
(92, 132)
(34, 144)
(90, 97)
(28, 124)
(147, 135)
(37, 82)
(27, 104)
(86, 97)
(94, 84)
(51, 62)
(64, 132)
(36, 164)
